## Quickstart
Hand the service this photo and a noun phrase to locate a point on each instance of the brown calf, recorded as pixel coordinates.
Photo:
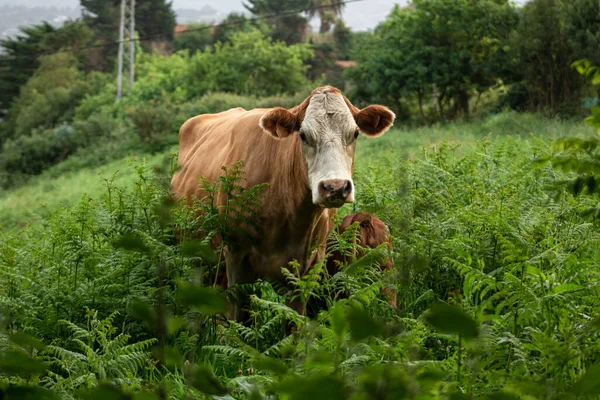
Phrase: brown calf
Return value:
(372, 233)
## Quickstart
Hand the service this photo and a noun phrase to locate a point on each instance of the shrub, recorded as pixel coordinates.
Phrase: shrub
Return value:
(48, 97)
(251, 64)
(156, 123)
(217, 102)
(30, 155)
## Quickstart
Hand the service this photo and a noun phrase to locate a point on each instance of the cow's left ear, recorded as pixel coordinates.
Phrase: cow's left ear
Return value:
(374, 120)
(279, 122)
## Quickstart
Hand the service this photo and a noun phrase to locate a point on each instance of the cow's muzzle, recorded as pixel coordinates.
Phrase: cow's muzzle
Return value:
(335, 192)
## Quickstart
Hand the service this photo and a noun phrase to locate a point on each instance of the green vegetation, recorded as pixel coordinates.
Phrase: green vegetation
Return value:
(105, 289)
(105, 292)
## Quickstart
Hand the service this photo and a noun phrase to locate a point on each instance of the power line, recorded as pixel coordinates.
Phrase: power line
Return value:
(202, 28)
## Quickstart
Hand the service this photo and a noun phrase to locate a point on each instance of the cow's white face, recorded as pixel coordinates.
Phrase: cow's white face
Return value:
(328, 133)
(328, 126)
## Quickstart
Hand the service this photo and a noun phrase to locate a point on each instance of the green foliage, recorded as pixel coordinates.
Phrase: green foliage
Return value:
(237, 22)
(551, 35)
(21, 54)
(155, 19)
(30, 155)
(286, 26)
(458, 46)
(579, 157)
(250, 64)
(199, 38)
(155, 123)
(24, 48)
(474, 229)
(343, 38)
(328, 11)
(93, 355)
(47, 96)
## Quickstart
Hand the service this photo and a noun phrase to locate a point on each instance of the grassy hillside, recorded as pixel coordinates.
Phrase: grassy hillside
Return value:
(25, 204)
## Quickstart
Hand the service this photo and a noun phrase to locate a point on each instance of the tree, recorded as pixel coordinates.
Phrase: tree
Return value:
(237, 22)
(342, 36)
(328, 11)
(154, 19)
(19, 61)
(197, 38)
(287, 23)
(457, 45)
(47, 96)
(250, 64)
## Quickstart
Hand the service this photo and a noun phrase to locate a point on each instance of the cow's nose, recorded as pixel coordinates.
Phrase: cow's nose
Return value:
(335, 190)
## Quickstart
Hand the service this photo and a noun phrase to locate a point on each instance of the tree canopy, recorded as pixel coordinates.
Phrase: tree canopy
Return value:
(457, 45)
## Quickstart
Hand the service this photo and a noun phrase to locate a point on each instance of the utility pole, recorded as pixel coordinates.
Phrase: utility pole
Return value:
(126, 32)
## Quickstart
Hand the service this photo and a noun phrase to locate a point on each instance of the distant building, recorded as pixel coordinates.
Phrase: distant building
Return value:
(179, 29)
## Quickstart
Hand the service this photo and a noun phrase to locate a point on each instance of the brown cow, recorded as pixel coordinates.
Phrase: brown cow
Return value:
(304, 154)
(372, 232)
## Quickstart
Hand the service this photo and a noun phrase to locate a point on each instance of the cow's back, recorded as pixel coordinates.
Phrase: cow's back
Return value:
(210, 141)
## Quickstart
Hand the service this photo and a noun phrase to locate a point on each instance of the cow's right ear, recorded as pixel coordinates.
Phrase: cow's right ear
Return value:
(279, 122)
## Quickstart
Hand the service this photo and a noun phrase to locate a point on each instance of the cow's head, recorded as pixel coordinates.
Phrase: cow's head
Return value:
(328, 126)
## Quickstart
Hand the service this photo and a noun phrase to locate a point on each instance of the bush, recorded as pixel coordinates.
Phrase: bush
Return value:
(516, 98)
(251, 64)
(515, 271)
(216, 102)
(30, 155)
(48, 97)
(155, 123)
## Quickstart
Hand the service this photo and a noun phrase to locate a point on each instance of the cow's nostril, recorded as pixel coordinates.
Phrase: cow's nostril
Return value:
(347, 189)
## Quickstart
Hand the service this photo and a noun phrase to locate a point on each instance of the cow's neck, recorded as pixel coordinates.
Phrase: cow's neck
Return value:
(296, 219)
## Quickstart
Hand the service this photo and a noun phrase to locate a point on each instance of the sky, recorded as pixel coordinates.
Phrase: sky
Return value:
(361, 15)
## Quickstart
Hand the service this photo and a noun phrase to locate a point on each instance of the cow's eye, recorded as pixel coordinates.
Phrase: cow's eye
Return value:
(302, 136)
(356, 134)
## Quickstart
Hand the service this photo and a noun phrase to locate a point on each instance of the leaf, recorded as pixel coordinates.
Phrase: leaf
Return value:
(28, 393)
(531, 270)
(206, 300)
(24, 340)
(202, 378)
(581, 65)
(338, 320)
(143, 312)
(14, 362)
(502, 395)
(362, 325)
(590, 382)
(170, 356)
(375, 256)
(197, 248)
(145, 396)
(105, 391)
(450, 319)
(566, 288)
(270, 364)
(132, 242)
(163, 210)
(313, 387)
(174, 325)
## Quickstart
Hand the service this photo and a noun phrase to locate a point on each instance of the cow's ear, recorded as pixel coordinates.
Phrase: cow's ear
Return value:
(346, 222)
(279, 122)
(374, 120)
